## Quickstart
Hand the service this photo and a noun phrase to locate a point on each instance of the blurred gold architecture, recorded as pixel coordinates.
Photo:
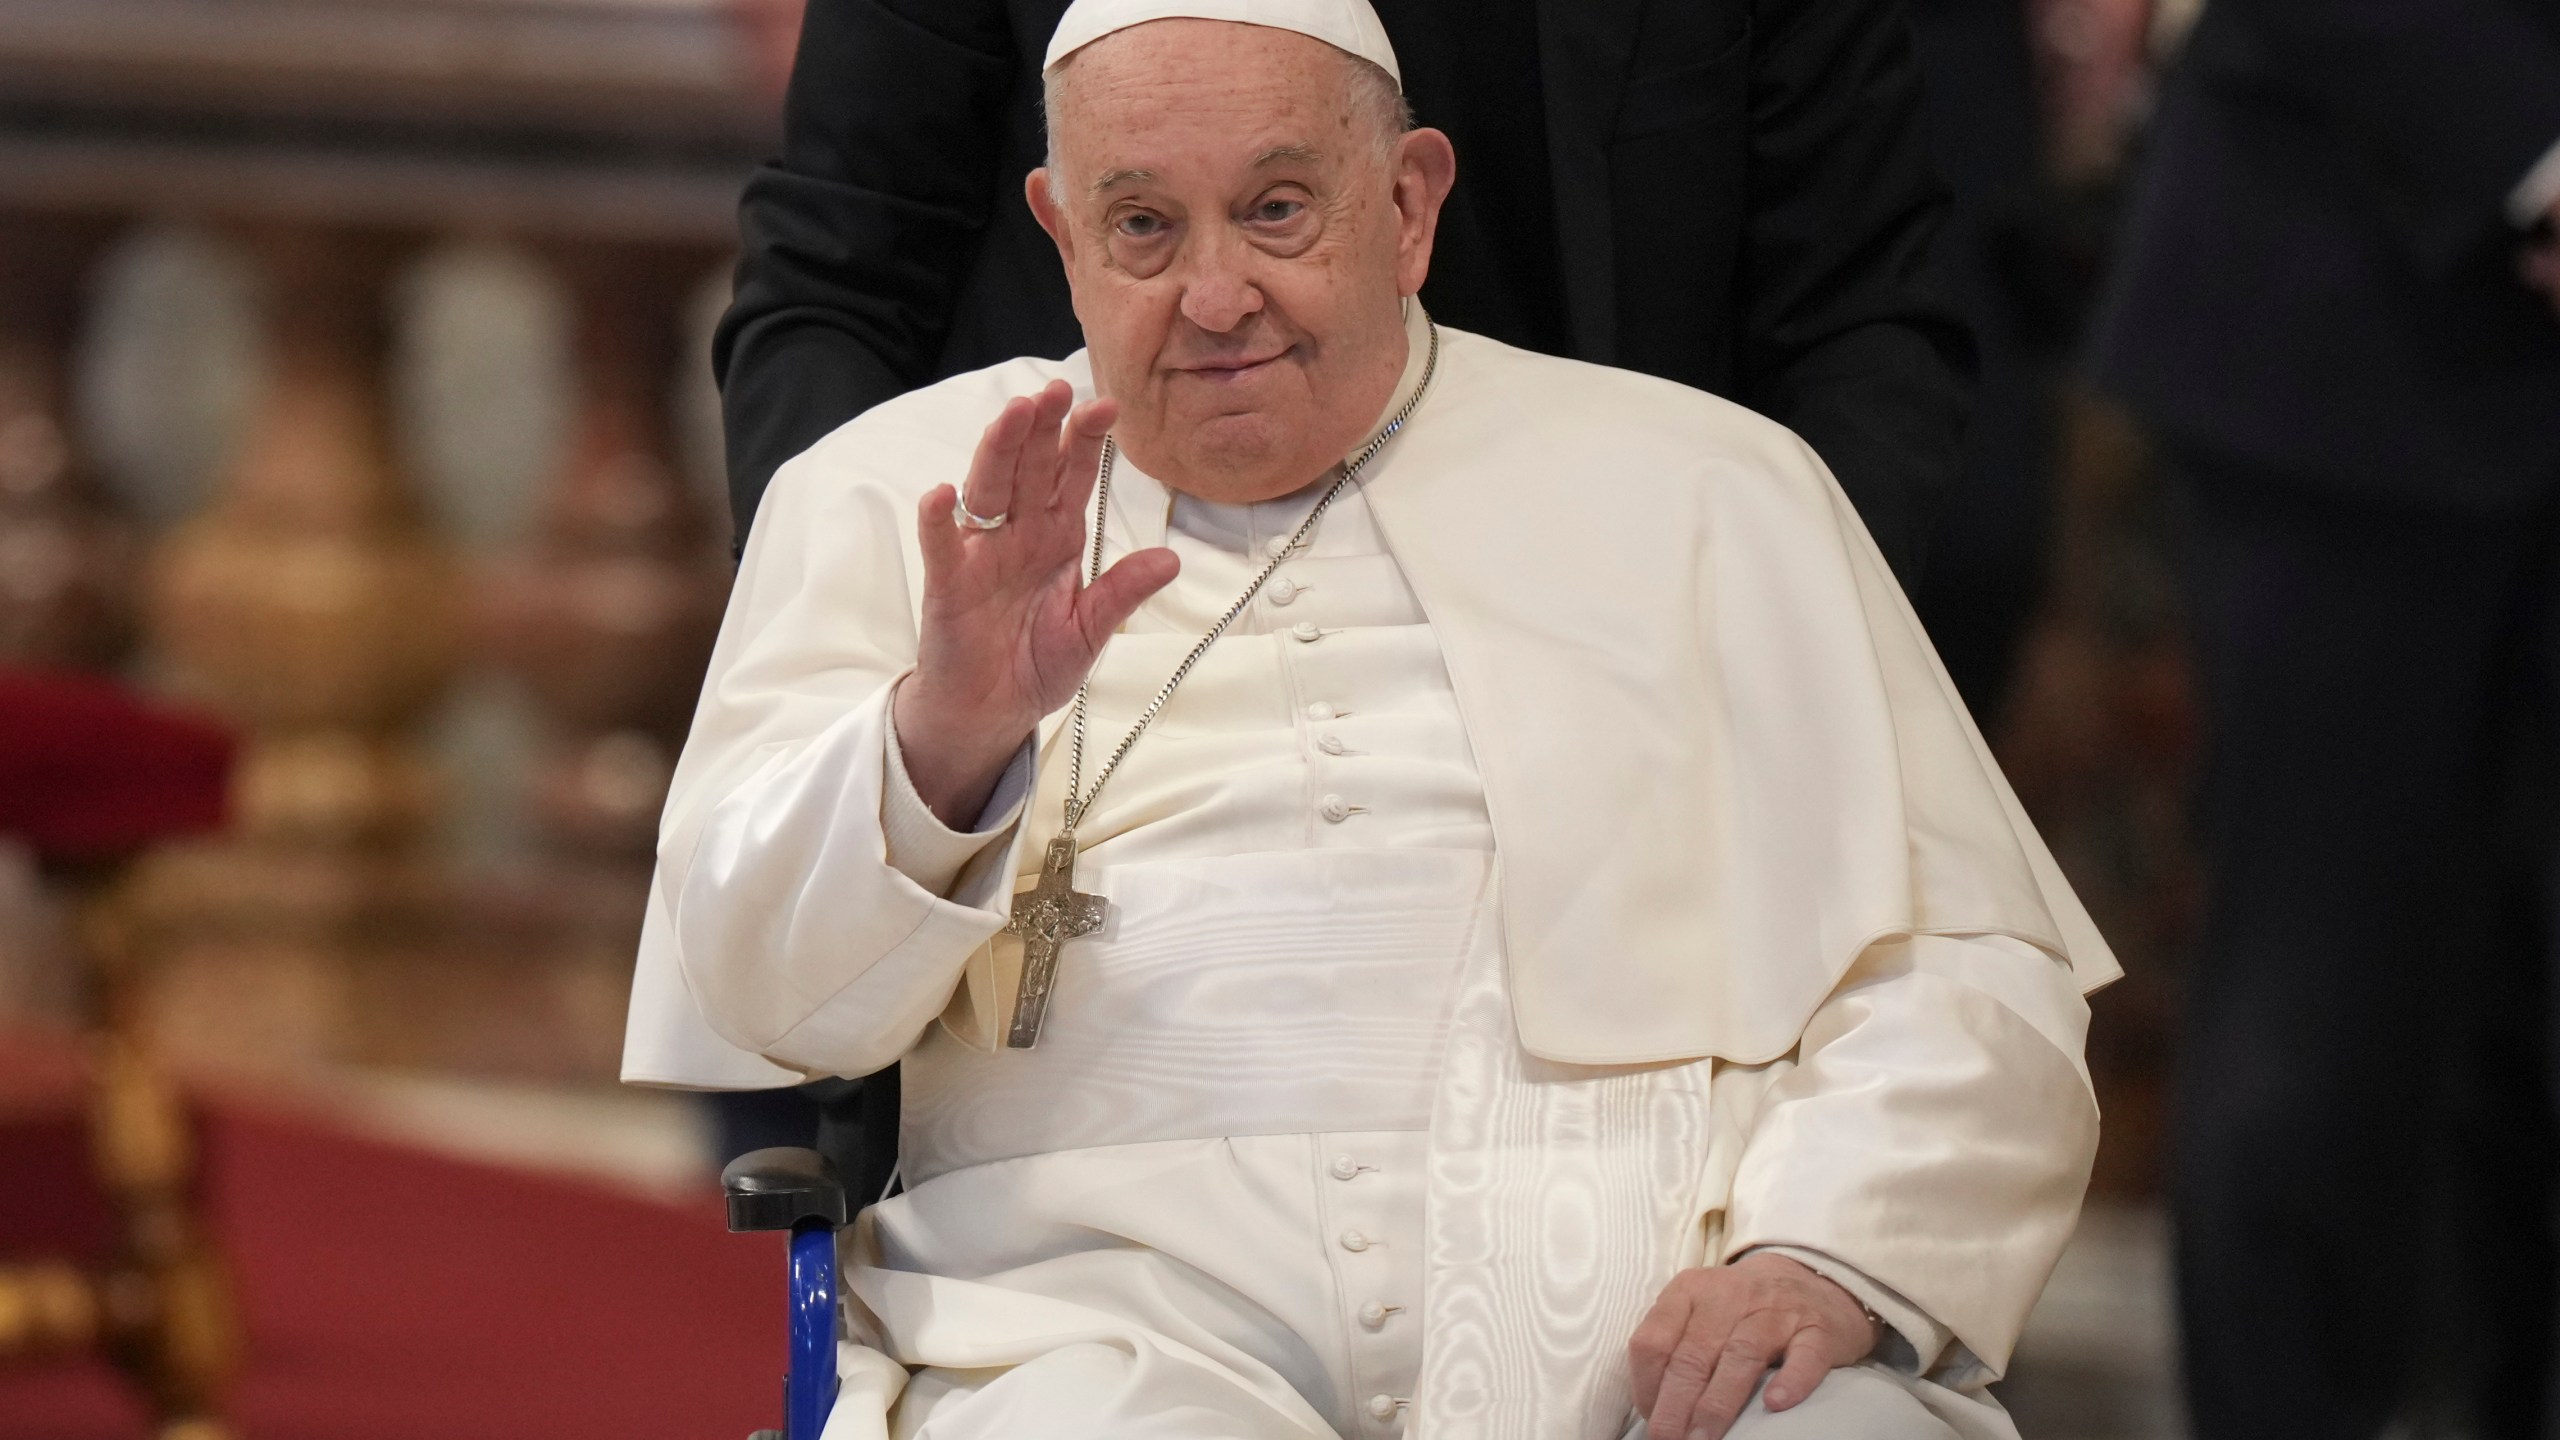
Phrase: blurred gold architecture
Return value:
(326, 150)
(329, 148)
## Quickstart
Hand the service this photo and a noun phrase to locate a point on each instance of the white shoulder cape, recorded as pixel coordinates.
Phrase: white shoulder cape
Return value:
(1721, 759)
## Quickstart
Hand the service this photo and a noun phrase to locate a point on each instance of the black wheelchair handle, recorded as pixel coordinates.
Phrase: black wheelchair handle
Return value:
(778, 1189)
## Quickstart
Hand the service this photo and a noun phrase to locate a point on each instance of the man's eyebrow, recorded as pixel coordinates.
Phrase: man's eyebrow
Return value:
(1278, 154)
(1111, 178)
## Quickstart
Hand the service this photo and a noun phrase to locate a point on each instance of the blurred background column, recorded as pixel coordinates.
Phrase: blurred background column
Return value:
(65, 552)
(310, 601)
(608, 614)
(312, 606)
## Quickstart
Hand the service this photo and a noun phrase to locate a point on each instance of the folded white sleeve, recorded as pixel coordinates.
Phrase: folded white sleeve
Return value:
(919, 845)
(817, 915)
(1929, 1144)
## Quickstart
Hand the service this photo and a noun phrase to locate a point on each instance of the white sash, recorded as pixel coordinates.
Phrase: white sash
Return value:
(1562, 1199)
(1283, 993)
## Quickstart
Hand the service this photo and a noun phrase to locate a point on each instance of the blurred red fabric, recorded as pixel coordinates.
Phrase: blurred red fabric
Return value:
(90, 772)
(391, 1293)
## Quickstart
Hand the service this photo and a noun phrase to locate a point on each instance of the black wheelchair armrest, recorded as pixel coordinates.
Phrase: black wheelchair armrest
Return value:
(779, 1188)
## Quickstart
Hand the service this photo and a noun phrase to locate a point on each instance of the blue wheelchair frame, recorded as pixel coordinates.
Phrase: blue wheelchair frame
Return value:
(788, 1188)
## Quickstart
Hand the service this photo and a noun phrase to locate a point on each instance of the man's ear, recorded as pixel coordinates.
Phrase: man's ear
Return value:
(1045, 209)
(1426, 166)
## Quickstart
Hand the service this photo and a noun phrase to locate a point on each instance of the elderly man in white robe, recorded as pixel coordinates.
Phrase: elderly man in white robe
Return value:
(1421, 889)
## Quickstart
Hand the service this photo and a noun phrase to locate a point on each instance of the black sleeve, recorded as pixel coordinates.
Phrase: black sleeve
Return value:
(855, 241)
(1840, 339)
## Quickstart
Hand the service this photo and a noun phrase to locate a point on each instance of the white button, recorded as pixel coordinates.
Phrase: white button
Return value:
(1334, 809)
(1344, 1167)
(1354, 1241)
(1330, 743)
(1373, 1314)
(1322, 710)
(1278, 546)
(1307, 631)
(1282, 591)
(1383, 1406)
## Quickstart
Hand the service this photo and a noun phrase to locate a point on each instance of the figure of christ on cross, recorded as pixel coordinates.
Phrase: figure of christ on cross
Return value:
(1046, 917)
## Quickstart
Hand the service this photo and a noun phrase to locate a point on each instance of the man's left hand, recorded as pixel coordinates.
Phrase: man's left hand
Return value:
(1715, 1333)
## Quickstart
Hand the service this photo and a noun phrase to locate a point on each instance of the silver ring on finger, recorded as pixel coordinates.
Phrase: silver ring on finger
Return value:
(968, 519)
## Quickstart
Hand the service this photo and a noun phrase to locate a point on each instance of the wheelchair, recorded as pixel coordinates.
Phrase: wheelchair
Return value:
(793, 1189)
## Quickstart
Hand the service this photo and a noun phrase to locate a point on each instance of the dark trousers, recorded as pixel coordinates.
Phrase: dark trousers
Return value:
(2364, 1155)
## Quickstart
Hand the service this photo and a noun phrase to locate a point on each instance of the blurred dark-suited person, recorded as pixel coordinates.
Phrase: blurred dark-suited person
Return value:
(1998, 262)
(1734, 194)
(2325, 312)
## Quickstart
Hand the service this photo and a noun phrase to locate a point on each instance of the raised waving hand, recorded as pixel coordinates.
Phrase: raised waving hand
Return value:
(1009, 628)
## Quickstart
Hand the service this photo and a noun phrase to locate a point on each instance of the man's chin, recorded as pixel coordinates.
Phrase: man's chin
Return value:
(1235, 459)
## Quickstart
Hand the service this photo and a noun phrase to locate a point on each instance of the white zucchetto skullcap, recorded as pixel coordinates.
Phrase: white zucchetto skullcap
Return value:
(1346, 25)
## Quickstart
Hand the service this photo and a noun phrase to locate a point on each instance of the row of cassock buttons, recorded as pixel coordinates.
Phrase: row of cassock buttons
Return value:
(1333, 808)
(1374, 1314)
(1283, 589)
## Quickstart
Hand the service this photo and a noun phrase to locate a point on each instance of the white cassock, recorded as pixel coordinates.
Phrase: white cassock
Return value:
(1572, 867)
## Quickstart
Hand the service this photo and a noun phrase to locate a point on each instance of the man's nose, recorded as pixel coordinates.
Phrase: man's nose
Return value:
(1221, 290)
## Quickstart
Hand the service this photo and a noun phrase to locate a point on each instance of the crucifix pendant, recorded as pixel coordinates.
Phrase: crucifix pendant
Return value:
(1047, 916)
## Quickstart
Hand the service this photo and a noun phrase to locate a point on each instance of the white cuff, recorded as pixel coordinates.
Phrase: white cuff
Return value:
(2535, 194)
(1912, 1343)
(919, 845)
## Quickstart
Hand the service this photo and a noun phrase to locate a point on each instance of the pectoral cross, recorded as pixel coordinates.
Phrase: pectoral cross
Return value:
(1047, 916)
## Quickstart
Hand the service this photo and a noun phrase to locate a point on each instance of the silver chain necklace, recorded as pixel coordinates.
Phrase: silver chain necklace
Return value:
(1054, 911)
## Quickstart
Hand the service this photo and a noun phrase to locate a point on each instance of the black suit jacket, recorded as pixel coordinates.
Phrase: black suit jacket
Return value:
(2319, 280)
(1730, 193)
